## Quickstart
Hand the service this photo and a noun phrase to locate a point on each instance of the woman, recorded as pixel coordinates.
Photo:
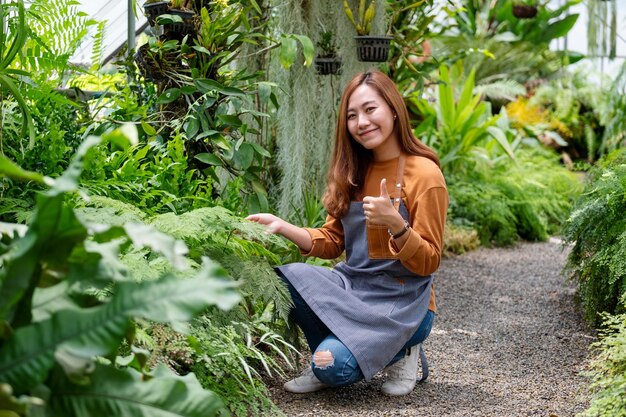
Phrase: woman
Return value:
(376, 308)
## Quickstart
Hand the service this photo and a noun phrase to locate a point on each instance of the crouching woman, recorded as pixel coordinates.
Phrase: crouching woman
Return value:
(386, 200)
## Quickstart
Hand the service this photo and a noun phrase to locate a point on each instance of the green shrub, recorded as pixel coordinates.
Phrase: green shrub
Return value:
(67, 304)
(528, 198)
(607, 370)
(597, 231)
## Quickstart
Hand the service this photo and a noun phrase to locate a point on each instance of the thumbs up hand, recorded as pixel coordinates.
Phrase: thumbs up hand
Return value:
(380, 210)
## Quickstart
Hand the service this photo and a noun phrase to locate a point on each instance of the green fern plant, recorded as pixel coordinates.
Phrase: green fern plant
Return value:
(98, 47)
(607, 368)
(56, 334)
(57, 28)
(597, 230)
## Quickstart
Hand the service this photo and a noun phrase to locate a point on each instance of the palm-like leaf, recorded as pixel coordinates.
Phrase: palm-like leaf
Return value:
(121, 393)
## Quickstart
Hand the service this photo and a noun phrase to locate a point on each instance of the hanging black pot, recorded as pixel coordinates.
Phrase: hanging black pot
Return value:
(524, 11)
(154, 10)
(180, 29)
(372, 48)
(328, 65)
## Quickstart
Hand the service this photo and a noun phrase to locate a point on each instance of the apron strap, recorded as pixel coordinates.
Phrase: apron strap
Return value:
(424, 363)
(397, 195)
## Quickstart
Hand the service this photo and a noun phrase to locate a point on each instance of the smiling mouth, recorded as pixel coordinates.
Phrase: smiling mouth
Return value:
(367, 132)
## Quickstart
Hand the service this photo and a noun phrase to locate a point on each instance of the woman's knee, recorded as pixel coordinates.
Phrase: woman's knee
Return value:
(334, 364)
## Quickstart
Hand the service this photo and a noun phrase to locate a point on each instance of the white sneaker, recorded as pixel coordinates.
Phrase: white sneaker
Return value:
(402, 375)
(306, 382)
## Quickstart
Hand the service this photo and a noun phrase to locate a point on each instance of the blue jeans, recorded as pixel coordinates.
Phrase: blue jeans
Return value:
(344, 369)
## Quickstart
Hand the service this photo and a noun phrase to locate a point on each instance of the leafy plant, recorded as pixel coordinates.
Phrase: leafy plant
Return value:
(607, 369)
(460, 131)
(597, 230)
(574, 109)
(14, 33)
(327, 45)
(57, 333)
(528, 198)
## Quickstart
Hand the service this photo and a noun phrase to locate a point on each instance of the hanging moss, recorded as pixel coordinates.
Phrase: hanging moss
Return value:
(305, 124)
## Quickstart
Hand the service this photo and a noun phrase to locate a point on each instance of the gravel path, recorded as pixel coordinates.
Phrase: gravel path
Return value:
(508, 340)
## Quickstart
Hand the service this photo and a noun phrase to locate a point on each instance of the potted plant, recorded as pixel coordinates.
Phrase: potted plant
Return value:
(327, 62)
(525, 9)
(179, 18)
(155, 8)
(369, 48)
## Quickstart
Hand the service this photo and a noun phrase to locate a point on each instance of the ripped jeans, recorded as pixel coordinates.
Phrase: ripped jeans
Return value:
(332, 361)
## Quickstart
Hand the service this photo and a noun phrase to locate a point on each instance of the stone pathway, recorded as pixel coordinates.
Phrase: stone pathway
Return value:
(509, 340)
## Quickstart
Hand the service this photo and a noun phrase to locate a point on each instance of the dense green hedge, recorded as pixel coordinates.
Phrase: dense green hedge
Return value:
(597, 231)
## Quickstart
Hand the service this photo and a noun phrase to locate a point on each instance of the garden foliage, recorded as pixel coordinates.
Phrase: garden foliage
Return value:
(59, 341)
(607, 370)
(597, 231)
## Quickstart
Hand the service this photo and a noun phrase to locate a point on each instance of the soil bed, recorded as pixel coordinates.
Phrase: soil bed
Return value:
(509, 340)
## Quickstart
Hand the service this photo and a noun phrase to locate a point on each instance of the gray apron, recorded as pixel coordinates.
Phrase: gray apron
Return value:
(373, 306)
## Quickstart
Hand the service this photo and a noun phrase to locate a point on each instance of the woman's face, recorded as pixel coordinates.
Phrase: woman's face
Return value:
(371, 122)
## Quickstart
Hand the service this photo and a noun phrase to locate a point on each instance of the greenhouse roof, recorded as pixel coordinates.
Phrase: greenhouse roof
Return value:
(115, 13)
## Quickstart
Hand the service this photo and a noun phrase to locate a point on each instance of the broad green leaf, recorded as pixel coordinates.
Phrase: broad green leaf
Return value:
(209, 158)
(169, 95)
(288, 51)
(308, 50)
(192, 127)
(446, 98)
(230, 120)
(27, 357)
(9, 169)
(261, 150)
(123, 393)
(468, 91)
(559, 28)
(206, 85)
(47, 301)
(52, 235)
(149, 130)
(500, 137)
(244, 156)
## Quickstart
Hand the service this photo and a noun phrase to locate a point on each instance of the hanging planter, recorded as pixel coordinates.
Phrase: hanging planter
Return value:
(326, 61)
(372, 48)
(524, 11)
(327, 65)
(180, 28)
(154, 10)
(368, 48)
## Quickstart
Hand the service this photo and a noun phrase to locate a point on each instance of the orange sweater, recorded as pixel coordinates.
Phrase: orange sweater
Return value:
(425, 195)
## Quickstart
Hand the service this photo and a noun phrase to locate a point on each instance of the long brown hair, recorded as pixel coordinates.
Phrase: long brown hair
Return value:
(350, 160)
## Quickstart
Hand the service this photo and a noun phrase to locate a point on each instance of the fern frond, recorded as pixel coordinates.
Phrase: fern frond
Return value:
(501, 90)
(57, 30)
(97, 51)
(98, 209)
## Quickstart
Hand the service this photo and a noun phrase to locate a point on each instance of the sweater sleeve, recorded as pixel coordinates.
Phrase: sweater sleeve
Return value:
(421, 252)
(328, 242)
